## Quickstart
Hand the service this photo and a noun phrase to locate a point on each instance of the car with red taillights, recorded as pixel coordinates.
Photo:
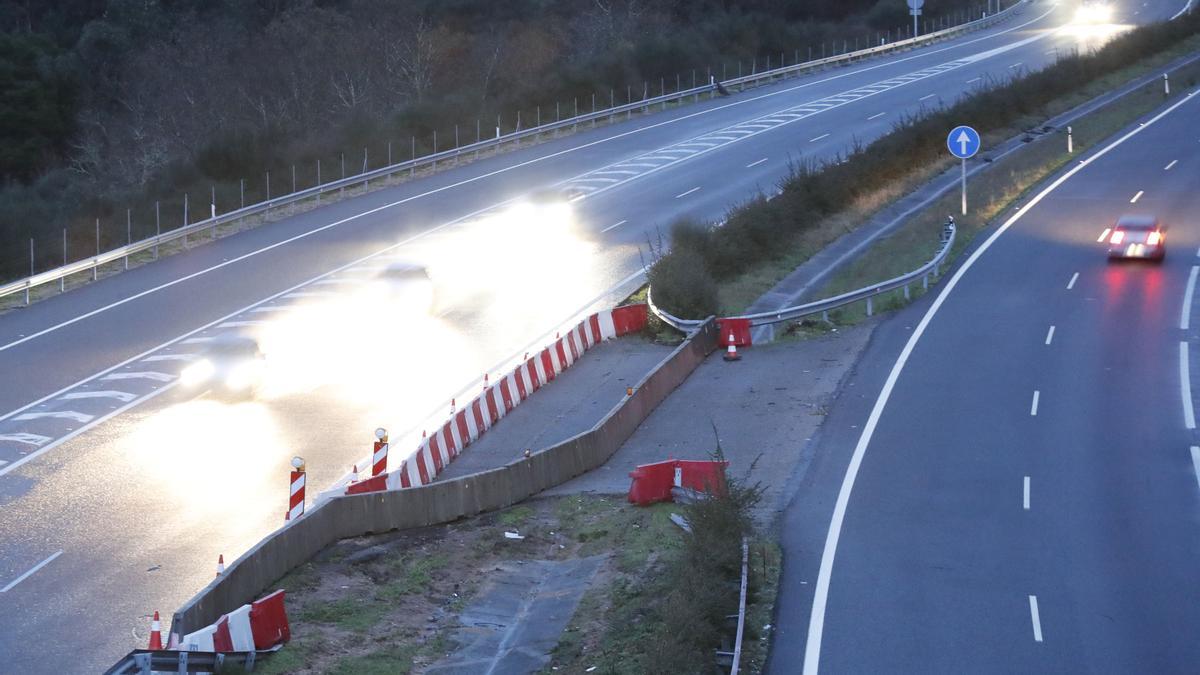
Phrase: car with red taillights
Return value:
(1140, 237)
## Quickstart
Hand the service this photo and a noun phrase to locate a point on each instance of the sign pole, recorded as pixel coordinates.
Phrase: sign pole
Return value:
(964, 187)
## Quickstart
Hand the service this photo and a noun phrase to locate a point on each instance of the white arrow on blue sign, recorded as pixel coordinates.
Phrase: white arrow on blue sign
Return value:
(963, 142)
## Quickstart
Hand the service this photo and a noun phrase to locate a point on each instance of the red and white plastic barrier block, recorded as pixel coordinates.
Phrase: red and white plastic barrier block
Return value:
(500, 396)
(259, 626)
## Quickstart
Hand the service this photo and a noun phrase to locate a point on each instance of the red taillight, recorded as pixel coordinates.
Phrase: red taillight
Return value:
(1117, 237)
(1154, 239)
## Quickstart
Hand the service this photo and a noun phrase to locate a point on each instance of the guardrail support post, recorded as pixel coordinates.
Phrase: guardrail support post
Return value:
(62, 281)
(906, 295)
(157, 232)
(95, 263)
(129, 233)
(1166, 85)
(870, 307)
(925, 282)
(825, 316)
(30, 269)
(1070, 142)
(185, 220)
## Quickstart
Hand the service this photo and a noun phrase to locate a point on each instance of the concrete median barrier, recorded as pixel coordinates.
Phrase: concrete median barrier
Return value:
(441, 501)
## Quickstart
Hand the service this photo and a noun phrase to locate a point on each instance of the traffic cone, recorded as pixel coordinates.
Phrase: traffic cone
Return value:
(354, 474)
(485, 381)
(155, 634)
(220, 564)
(731, 351)
(452, 406)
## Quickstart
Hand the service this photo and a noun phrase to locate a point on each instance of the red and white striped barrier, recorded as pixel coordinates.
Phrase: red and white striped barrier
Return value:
(296, 501)
(259, 626)
(497, 399)
(379, 457)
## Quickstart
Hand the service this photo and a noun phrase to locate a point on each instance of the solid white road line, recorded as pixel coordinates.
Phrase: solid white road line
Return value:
(1137, 196)
(1196, 463)
(814, 140)
(1185, 387)
(1036, 617)
(1071, 283)
(1104, 235)
(613, 226)
(1185, 313)
(1173, 163)
(974, 79)
(169, 357)
(816, 622)
(684, 194)
(876, 116)
(122, 396)
(1033, 408)
(1183, 11)
(12, 584)
(1050, 335)
(1025, 499)
(926, 97)
(1017, 64)
(751, 165)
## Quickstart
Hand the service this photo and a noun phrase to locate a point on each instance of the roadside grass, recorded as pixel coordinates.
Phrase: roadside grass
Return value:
(765, 566)
(352, 614)
(991, 195)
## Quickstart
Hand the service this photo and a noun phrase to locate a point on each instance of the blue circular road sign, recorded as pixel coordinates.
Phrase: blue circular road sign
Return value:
(963, 142)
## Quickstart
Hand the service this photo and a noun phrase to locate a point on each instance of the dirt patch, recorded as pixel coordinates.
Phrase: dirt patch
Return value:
(395, 603)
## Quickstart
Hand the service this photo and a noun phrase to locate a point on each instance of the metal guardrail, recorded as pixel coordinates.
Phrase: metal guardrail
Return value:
(867, 293)
(741, 627)
(94, 262)
(145, 662)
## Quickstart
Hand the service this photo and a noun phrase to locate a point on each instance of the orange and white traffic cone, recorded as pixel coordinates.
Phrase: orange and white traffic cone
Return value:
(354, 474)
(220, 564)
(155, 634)
(731, 351)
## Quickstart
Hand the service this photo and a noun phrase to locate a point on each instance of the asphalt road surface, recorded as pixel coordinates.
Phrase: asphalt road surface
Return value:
(119, 488)
(1023, 495)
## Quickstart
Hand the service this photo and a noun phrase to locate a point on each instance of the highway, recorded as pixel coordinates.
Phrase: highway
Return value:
(119, 489)
(1015, 485)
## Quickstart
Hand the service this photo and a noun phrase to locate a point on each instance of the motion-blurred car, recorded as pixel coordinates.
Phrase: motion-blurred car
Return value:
(406, 287)
(1142, 237)
(230, 364)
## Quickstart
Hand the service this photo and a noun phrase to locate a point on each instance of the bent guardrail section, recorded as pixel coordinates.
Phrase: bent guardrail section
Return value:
(444, 501)
(94, 262)
(866, 293)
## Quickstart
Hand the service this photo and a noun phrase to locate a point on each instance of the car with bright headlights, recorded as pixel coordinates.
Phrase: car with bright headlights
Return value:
(1137, 237)
(1094, 11)
(406, 286)
(231, 365)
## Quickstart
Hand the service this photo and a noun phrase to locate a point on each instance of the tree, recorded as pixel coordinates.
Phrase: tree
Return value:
(37, 106)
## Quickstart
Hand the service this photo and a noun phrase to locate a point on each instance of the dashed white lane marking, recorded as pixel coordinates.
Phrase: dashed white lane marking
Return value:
(684, 194)
(876, 116)
(1033, 408)
(1050, 335)
(241, 324)
(1137, 196)
(169, 357)
(1025, 498)
(1036, 618)
(1185, 313)
(974, 79)
(1071, 283)
(142, 375)
(12, 584)
(1173, 163)
(1017, 64)
(82, 418)
(814, 140)
(123, 396)
(1185, 387)
(751, 165)
(197, 341)
(926, 97)
(1198, 253)
(1196, 463)
(613, 226)
(309, 294)
(1104, 235)
(264, 310)
(26, 438)
(3, 462)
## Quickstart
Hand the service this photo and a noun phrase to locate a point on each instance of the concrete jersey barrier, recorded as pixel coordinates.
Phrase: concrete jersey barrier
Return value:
(441, 502)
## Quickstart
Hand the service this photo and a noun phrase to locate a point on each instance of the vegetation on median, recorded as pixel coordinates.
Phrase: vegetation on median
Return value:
(764, 239)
